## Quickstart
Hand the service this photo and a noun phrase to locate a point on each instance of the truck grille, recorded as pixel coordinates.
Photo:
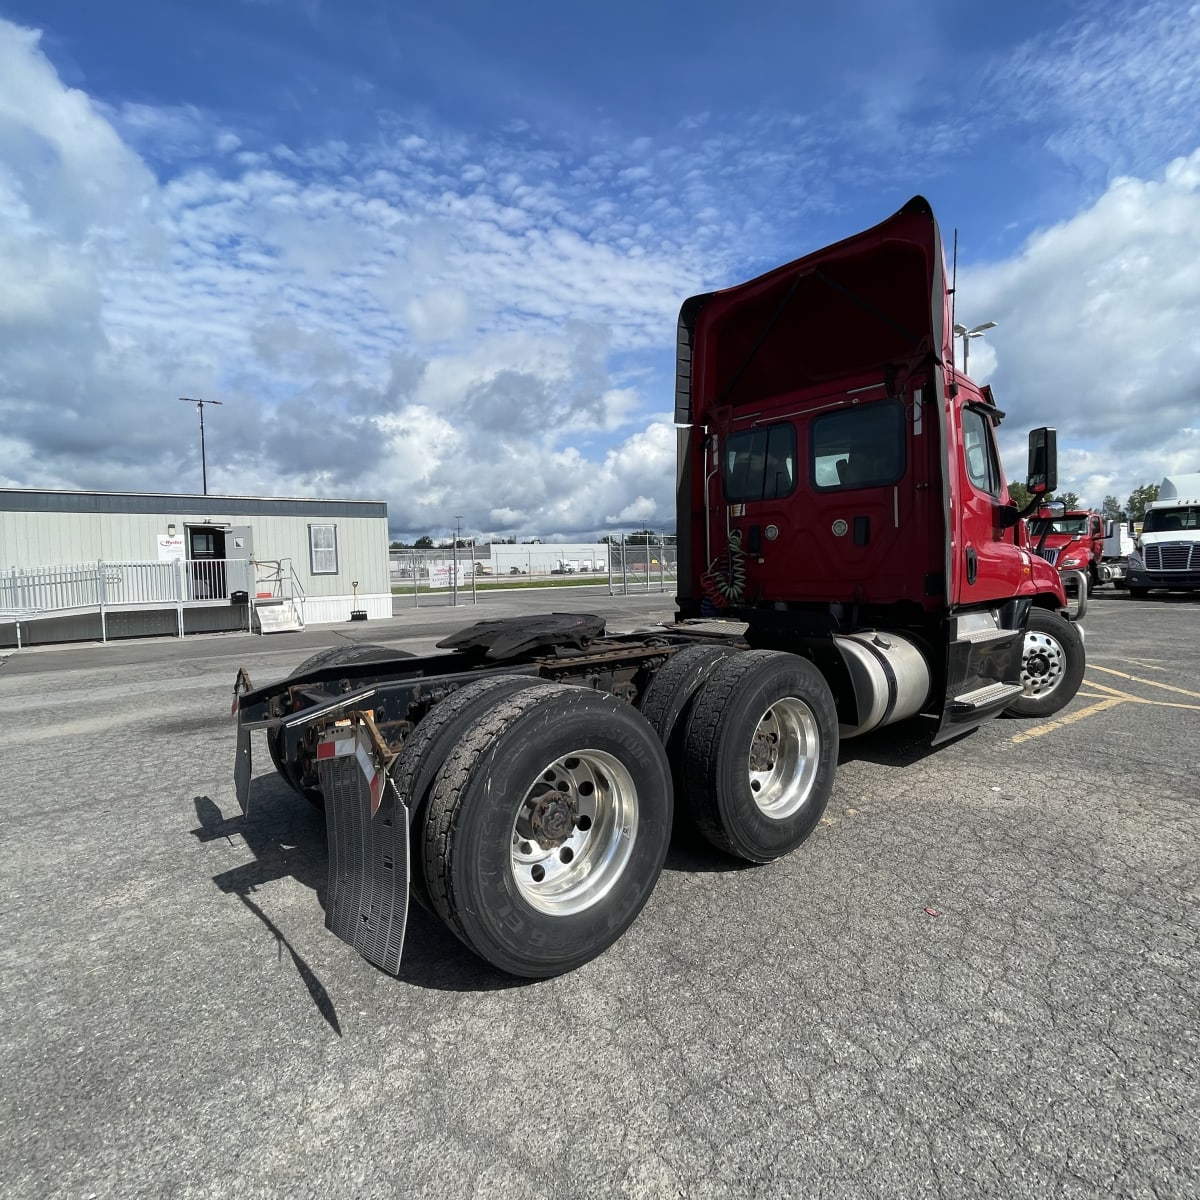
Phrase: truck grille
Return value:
(1172, 558)
(1050, 554)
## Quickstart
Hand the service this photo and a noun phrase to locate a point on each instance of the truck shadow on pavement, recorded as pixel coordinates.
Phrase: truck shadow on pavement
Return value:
(286, 837)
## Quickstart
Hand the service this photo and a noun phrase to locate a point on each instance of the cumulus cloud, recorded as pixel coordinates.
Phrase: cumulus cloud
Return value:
(485, 323)
(1096, 334)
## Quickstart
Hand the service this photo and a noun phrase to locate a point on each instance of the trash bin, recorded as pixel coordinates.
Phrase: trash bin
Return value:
(239, 597)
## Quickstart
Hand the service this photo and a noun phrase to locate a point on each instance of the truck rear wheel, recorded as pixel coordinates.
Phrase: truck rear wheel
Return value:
(1052, 663)
(426, 748)
(761, 751)
(668, 697)
(546, 829)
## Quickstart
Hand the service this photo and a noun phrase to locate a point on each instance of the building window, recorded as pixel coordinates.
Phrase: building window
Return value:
(760, 464)
(322, 549)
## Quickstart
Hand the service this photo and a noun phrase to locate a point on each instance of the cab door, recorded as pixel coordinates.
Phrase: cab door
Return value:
(990, 566)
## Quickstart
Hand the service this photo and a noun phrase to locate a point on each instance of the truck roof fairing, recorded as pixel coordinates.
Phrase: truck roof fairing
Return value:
(875, 300)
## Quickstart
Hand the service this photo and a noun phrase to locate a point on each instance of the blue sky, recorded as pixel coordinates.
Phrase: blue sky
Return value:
(434, 253)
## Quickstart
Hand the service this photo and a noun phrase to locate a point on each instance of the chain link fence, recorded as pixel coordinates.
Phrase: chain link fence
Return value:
(618, 564)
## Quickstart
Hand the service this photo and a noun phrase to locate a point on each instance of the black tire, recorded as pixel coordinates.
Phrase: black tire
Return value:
(668, 700)
(761, 752)
(551, 770)
(340, 656)
(668, 696)
(1052, 664)
(426, 748)
(332, 656)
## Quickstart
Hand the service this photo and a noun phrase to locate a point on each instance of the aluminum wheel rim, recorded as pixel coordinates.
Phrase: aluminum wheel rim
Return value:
(785, 755)
(574, 832)
(1043, 664)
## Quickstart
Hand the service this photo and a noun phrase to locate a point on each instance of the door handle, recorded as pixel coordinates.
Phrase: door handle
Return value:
(972, 565)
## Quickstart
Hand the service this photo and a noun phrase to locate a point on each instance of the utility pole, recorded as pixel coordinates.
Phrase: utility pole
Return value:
(200, 409)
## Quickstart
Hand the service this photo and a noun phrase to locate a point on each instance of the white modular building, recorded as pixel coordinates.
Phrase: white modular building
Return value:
(144, 563)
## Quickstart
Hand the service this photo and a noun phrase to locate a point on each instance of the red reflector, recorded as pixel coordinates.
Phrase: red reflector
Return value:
(325, 749)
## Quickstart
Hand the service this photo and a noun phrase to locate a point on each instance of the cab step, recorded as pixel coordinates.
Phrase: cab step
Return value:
(978, 636)
(990, 697)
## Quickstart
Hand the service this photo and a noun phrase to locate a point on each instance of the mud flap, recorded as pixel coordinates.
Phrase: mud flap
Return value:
(366, 826)
(241, 769)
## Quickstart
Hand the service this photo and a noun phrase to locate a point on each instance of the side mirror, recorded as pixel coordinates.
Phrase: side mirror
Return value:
(1043, 461)
(1055, 508)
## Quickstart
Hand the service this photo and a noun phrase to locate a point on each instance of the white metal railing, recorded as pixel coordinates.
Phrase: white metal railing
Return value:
(47, 591)
(40, 588)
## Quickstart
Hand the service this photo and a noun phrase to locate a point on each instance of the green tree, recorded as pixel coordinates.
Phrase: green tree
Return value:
(642, 537)
(1019, 494)
(1111, 509)
(1070, 499)
(399, 546)
(423, 543)
(1139, 498)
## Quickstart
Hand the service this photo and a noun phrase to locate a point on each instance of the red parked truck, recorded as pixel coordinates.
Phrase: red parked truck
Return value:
(849, 558)
(1074, 541)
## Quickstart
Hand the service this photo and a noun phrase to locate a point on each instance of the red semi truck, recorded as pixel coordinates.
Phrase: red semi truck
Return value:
(848, 558)
(1074, 541)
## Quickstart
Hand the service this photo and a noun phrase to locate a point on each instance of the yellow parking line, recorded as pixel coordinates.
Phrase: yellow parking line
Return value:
(1142, 699)
(1112, 691)
(1050, 726)
(1148, 682)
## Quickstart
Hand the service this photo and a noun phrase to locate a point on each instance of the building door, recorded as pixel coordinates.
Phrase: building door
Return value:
(206, 565)
(239, 550)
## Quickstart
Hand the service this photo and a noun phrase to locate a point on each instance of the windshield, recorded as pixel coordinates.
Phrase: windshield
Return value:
(1172, 520)
(1058, 525)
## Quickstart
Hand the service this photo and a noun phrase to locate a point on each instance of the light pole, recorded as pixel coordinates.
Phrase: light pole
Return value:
(200, 409)
(457, 531)
(967, 334)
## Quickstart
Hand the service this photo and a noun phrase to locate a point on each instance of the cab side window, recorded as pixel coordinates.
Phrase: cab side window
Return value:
(760, 464)
(979, 450)
(858, 447)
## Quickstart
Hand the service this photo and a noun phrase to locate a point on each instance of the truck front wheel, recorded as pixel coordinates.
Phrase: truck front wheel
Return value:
(761, 751)
(546, 829)
(1052, 663)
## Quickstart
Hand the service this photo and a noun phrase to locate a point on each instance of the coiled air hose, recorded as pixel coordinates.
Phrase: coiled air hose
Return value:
(724, 584)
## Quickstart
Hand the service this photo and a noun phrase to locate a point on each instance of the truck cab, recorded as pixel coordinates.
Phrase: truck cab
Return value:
(839, 481)
(1166, 554)
(1071, 541)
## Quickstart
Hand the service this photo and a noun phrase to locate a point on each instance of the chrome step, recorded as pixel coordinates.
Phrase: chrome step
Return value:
(987, 635)
(986, 697)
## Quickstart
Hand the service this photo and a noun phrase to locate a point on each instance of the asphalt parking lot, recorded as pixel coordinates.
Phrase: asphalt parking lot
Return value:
(980, 977)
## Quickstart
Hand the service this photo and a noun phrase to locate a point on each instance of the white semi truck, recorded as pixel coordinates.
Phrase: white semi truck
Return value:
(1166, 554)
